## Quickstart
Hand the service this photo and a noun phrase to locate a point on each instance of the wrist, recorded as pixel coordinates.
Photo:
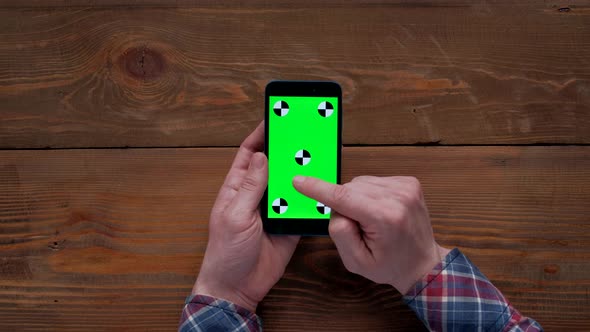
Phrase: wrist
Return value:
(225, 293)
(421, 270)
(442, 252)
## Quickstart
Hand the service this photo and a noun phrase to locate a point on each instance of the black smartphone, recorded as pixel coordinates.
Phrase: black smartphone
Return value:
(303, 130)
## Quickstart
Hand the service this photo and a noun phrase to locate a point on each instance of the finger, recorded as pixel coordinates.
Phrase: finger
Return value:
(341, 198)
(347, 237)
(252, 187)
(224, 198)
(252, 144)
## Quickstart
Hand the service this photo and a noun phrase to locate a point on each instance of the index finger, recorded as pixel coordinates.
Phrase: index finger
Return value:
(344, 200)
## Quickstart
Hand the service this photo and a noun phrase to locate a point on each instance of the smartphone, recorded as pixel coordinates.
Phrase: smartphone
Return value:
(303, 129)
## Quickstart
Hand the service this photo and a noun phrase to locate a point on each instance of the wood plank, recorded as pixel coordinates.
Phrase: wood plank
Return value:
(113, 239)
(575, 4)
(451, 72)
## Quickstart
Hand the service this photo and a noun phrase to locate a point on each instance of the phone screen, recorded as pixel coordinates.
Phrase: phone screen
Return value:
(303, 139)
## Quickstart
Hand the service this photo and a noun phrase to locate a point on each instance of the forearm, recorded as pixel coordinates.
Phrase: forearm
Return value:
(456, 296)
(205, 313)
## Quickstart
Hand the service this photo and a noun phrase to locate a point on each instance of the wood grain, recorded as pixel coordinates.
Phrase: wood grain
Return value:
(44, 4)
(113, 239)
(148, 73)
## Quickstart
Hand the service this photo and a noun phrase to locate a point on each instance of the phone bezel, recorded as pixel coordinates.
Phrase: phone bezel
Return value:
(303, 89)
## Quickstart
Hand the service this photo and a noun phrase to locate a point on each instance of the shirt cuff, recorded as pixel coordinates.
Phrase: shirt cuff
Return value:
(202, 312)
(455, 295)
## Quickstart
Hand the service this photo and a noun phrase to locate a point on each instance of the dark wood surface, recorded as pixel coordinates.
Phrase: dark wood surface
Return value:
(95, 237)
(145, 73)
(113, 239)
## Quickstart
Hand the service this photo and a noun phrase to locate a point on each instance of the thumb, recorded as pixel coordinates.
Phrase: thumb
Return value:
(252, 186)
(347, 237)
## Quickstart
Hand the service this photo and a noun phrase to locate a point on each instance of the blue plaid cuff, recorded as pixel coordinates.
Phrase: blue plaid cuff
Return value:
(206, 313)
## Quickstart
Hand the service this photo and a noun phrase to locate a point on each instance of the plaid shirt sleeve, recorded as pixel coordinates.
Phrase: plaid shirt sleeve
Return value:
(456, 296)
(205, 313)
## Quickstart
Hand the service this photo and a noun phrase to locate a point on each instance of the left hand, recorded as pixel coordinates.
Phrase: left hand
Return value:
(242, 263)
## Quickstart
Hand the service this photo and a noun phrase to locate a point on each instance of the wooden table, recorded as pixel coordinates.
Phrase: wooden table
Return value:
(119, 119)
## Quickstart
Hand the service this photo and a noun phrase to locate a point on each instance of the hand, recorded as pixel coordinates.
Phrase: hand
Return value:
(242, 262)
(380, 226)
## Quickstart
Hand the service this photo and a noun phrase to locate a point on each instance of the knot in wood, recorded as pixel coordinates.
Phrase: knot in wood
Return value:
(142, 63)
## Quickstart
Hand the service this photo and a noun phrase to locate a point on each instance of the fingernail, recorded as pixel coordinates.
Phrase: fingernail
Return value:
(298, 179)
(258, 160)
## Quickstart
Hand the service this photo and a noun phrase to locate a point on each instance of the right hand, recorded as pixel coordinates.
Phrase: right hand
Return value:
(380, 226)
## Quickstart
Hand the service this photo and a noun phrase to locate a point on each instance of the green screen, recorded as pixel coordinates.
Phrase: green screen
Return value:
(302, 140)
